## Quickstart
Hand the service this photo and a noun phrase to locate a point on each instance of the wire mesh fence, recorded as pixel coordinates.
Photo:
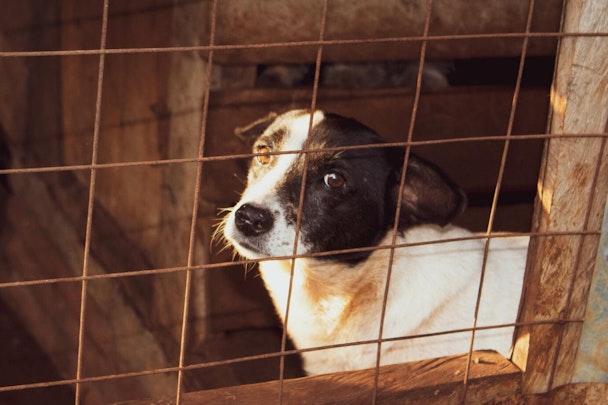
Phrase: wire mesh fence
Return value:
(126, 158)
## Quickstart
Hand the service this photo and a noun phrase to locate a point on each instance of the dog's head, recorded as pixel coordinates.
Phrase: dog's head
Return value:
(350, 195)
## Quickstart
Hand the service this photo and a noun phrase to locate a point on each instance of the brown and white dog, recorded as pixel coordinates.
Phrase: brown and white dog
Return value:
(350, 201)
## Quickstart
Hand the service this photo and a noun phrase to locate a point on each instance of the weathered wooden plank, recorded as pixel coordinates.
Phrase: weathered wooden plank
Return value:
(429, 381)
(573, 192)
(294, 20)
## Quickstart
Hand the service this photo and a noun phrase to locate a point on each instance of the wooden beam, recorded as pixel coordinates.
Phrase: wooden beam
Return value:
(572, 196)
(429, 381)
(143, 97)
(294, 20)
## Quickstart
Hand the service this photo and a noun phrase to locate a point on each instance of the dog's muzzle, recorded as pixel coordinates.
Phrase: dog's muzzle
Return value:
(251, 220)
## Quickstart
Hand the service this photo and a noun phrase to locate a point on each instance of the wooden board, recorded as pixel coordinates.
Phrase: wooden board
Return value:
(573, 189)
(295, 20)
(430, 381)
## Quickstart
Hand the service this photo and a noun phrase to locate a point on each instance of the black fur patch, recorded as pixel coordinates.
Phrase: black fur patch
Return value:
(353, 215)
(360, 211)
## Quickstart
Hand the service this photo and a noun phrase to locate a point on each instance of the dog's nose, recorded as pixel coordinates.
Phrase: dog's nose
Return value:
(252, 221)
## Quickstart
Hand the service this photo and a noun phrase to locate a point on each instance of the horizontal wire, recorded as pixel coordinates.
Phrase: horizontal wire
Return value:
(309, 43)
(430, 142)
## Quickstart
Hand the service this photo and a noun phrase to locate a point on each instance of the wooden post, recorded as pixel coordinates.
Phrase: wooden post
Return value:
(572, 195)
(151, 110)
(184, 103)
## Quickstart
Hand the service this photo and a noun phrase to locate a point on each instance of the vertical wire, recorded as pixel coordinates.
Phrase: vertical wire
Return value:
(410, 135)
(91, 202)
(499, 180)
(313, 106)
(197, 187)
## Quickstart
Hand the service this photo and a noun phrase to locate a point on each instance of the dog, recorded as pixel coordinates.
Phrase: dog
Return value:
(342, 239)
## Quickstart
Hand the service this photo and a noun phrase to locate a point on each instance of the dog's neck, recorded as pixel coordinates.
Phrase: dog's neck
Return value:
(323, 292)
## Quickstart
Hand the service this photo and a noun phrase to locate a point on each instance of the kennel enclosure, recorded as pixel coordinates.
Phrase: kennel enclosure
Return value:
(118, 151)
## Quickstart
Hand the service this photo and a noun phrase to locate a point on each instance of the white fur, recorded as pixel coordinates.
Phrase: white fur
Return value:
(433, 288)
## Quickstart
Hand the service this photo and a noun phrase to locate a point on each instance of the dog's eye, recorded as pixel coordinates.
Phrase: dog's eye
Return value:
(334, 180)
(262, 159)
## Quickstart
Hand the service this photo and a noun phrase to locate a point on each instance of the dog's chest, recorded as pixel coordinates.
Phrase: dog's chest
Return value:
(321, 311)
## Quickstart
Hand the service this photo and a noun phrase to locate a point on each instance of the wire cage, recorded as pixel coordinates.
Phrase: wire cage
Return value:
(117, 152)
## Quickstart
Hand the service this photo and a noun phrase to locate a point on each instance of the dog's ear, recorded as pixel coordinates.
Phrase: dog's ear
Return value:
(429, 196)
(250, 132)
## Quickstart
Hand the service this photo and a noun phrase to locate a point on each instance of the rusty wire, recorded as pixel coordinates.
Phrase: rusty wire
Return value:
(89, 220)
(197, 188)
(314, 43)
(313, 103)
(494, 206)
(403, 176)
